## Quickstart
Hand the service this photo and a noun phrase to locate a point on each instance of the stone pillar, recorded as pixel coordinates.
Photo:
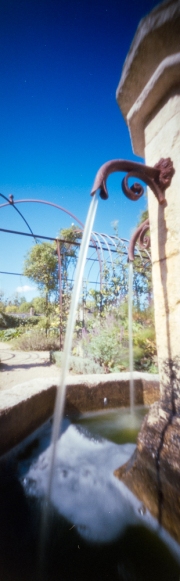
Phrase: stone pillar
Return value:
(149, 98)
(162, 135)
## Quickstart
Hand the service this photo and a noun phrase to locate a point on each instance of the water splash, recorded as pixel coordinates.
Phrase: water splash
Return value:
(131, 381)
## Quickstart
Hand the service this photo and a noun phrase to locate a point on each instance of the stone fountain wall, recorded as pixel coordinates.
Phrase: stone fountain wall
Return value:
(149, 97)
(24, 407)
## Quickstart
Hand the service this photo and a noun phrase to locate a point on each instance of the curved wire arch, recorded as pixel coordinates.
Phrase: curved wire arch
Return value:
(10, 202)
(107, 245)
(109, 237)
(31, 200)
(101, 258)
(97, 239)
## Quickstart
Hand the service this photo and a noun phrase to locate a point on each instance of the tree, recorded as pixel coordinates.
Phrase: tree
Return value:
(22, 299)
(41, 266)
(25, 307)
(39, 304)
(68, 258)
(2, 302)
(68, 249)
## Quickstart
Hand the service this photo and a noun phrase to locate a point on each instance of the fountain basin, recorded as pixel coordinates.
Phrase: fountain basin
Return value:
(26, 406)
(96, 527)
(126, 533)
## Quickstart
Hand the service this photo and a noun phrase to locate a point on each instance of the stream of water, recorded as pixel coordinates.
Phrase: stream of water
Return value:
(61, 390)
(60, 399)
(59, 406)
(130, 301)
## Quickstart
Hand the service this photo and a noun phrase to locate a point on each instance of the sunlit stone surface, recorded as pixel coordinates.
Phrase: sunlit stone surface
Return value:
(151, 75)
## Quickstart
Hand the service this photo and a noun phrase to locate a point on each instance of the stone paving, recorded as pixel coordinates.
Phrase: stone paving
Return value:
(20, 366)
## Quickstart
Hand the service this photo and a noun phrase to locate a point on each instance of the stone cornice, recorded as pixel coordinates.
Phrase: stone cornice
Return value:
(166, 76)
(157, 37)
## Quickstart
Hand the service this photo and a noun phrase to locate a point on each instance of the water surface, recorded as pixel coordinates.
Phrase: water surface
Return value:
(97, 529)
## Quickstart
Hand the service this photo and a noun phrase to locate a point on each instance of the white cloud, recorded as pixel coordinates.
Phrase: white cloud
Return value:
(25, 289)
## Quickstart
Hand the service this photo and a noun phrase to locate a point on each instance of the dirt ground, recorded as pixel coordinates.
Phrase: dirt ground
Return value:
(19, 366)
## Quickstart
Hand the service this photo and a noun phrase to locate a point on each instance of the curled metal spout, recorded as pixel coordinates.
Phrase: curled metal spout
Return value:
(158, 178)
(140, 237)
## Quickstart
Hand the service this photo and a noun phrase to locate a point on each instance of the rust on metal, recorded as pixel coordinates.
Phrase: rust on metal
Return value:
(158, 178)
(140, 236)
(166, 169)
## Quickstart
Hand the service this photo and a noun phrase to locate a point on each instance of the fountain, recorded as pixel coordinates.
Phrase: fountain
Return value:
(84, 506)
(90, 510)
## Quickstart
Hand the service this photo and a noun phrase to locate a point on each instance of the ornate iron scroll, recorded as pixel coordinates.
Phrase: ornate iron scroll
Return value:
(158, 178)
(140, 237)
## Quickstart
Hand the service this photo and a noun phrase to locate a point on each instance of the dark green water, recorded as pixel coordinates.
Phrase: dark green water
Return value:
(137, 554)
(118, 425)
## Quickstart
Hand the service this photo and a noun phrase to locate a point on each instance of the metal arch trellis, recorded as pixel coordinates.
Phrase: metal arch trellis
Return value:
(98, 240)
(10, 202)
(36, 201)
(103, 237)
(101, 243)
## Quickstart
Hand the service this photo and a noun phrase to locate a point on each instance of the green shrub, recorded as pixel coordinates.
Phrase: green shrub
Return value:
(9, 334)
(104, 345)
(107, 350)
(29, 322)
(11, 309)
(35, 340)
(107, 341)
(9, 322)
(145, 349)
(25, 307)
(77, 365)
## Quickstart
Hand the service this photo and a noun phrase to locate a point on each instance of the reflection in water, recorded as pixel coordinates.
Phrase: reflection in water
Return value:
(117, 425)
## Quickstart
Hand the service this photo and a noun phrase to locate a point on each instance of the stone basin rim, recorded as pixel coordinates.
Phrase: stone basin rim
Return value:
(26, 406)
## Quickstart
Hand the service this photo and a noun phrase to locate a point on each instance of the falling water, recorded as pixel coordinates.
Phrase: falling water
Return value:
(61, 391)
(59, 406)
(131, 381)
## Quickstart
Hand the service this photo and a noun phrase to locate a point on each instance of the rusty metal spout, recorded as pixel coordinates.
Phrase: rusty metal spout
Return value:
(140, 237)
(158, 178)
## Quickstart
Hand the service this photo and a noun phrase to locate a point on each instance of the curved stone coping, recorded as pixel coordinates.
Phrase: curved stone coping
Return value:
(166, 76)
(24, 407)
(156, 38)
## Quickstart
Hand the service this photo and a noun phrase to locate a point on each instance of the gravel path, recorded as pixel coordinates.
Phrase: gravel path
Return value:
(19, 366)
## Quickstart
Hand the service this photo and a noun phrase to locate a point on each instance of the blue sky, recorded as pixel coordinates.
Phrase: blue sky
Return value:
(60, 65)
